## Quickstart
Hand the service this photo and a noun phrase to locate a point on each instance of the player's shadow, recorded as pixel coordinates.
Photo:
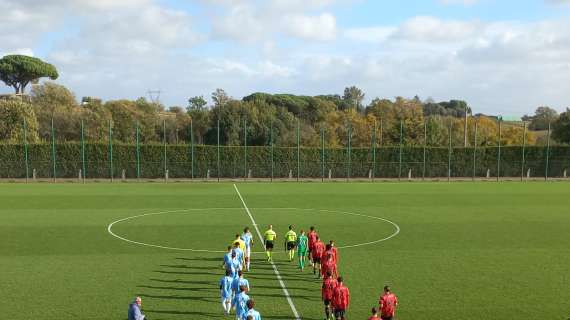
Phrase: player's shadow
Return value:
(184, 266)
(186, 272)
(199, 259)
(178, 297)
(198, 314)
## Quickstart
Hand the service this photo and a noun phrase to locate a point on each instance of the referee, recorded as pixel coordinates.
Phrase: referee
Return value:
(269, 238)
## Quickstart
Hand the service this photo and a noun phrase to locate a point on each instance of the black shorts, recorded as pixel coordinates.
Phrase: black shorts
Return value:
(338, 313)
(327, 302)
(268, 244)
(317, 260)
(386, 317)
(291, 245)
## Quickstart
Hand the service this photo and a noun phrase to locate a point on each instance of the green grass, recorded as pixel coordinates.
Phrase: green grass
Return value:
(465, 250)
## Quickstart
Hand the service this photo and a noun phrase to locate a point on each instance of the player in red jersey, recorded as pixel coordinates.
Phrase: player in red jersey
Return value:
(341, 300)
(328, 264)
(388, 303)
(335, 251)
(317, 254)
(312, 235)
(374, 315)
(327, 292)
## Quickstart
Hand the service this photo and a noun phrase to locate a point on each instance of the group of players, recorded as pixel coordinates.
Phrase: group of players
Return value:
(323, 259)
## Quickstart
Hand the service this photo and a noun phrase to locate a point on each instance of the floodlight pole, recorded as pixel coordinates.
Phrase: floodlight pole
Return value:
(322, 154)
(138, 152)
(547, 154)
(191, 150)
(218, 157)
(110, 151)
(475, 151)
(425, 149)
(374, 151)
(244, 148)
(400, 158)
(164, 151)
(271, 150)
(449, 157)
(26, 150)
(523, 151)
(499, 151)
(349, 156)
(83, 152)
(53, 158)
(298, 149)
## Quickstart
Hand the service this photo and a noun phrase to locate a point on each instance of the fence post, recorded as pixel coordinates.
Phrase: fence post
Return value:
(475, 152)
(26, 150)
(400, 159)
(53, 158)
(348, 152)
(523, 152)
(547, 154)
(164, 155)
(298, 149)
(218, 156)
(425, 147)
(191, 150)
(499, 155)
(374, 152)
(449, 157)
(110, 151)
(322, 154)
(83, 172)
(138, 152)
(244, 148)
(271, 146)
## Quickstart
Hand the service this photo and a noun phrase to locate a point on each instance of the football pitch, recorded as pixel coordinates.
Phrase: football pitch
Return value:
(448, 250)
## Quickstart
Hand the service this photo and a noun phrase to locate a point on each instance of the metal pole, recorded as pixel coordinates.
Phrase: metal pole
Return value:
(191, 150)
(523, 151)
(138, 150)
(53, 159)
(401, 139)
(26, 150)
(348, 152)
(83, 152)
(425, 147)
(164, 143)
(475, 152)
(465, 129)
(547, 154)
(272, 156)
(244, 149)
(374, 152)
(110, 151)
(449, 157)
(298, 149)
(218, 158)
(499, 151)
(322, 154)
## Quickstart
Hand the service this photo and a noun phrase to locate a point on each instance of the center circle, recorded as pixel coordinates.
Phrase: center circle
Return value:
(219, 224)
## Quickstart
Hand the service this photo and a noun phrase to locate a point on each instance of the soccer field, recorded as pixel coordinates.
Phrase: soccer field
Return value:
(448, 250)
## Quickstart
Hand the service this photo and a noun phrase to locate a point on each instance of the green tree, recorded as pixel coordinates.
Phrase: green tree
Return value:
(196, 103)
(542, 117)
(561, 127)
(17, 71)
(353, 97)
(12, 115)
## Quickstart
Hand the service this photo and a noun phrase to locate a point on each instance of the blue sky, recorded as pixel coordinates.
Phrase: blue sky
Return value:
(503, 57)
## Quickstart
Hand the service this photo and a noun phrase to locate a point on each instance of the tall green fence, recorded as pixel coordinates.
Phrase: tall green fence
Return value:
(151, 161)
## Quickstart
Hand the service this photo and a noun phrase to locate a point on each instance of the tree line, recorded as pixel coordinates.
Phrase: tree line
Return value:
(257, 119)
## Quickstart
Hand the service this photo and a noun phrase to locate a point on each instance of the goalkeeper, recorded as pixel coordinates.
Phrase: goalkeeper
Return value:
(302, 247)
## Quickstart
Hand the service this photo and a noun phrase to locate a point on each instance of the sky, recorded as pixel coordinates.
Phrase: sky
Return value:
(503, 57)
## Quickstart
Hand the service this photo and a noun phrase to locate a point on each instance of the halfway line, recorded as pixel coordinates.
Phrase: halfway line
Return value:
(277, 274)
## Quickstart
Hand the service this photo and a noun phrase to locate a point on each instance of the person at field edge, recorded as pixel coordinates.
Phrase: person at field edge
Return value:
(247, 238)
(388, 303)
(290, 243)
(302, 244)
(226, 292)
(341, 300)
(312, 235)
(317, 255)
(270, 236)
(374, 315)
(251, 312)
(327, 292)
(135, 312)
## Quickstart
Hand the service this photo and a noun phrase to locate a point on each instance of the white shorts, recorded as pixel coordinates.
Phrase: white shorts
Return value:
(247, 253)
(226, 300)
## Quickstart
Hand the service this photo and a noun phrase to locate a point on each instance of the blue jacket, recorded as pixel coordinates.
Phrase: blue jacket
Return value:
(135, 312)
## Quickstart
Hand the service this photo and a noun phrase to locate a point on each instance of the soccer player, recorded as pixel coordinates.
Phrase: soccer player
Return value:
(240, 281)
(374, 314)
(240, 303)
(290, 243)
(316, 255)
(335, 251)
(235, 265)
(302, 246)
(226, 292)
(251, 312)
(312, 235)
(269, 238)
(239, 241)
(328, 264)
(388, 303)
(247, 238)
(239, 254)
(227, 259)
(327, 291)
(341, 300)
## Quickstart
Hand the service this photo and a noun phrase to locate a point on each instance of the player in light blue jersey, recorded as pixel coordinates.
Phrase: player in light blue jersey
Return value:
(227, 259)
(240, 303)
(247, 237)
(235, 265)
(239, 282)
(239, 253)
(226, 292)
(251, 312)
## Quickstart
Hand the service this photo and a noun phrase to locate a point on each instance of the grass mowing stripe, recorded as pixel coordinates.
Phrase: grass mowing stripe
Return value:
(275, 270)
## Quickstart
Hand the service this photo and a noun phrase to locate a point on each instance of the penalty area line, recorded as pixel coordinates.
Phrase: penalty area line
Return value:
(275, 270)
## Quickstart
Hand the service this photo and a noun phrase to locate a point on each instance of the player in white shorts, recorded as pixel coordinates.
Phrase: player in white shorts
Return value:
(247, 238)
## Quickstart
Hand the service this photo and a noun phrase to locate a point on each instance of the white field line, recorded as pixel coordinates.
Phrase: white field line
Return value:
(275, 270)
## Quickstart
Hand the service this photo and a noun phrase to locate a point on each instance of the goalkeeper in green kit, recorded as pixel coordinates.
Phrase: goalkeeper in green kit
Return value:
(302, 246)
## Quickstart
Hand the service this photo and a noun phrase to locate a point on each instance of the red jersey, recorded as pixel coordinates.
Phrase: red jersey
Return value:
(318, 250)
(388, 303)
(327, 292)
(341, 297)
(312, 235)
(328, 264)
(335, 252)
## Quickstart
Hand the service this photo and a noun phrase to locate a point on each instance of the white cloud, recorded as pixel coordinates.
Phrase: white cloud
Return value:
(320, 28)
